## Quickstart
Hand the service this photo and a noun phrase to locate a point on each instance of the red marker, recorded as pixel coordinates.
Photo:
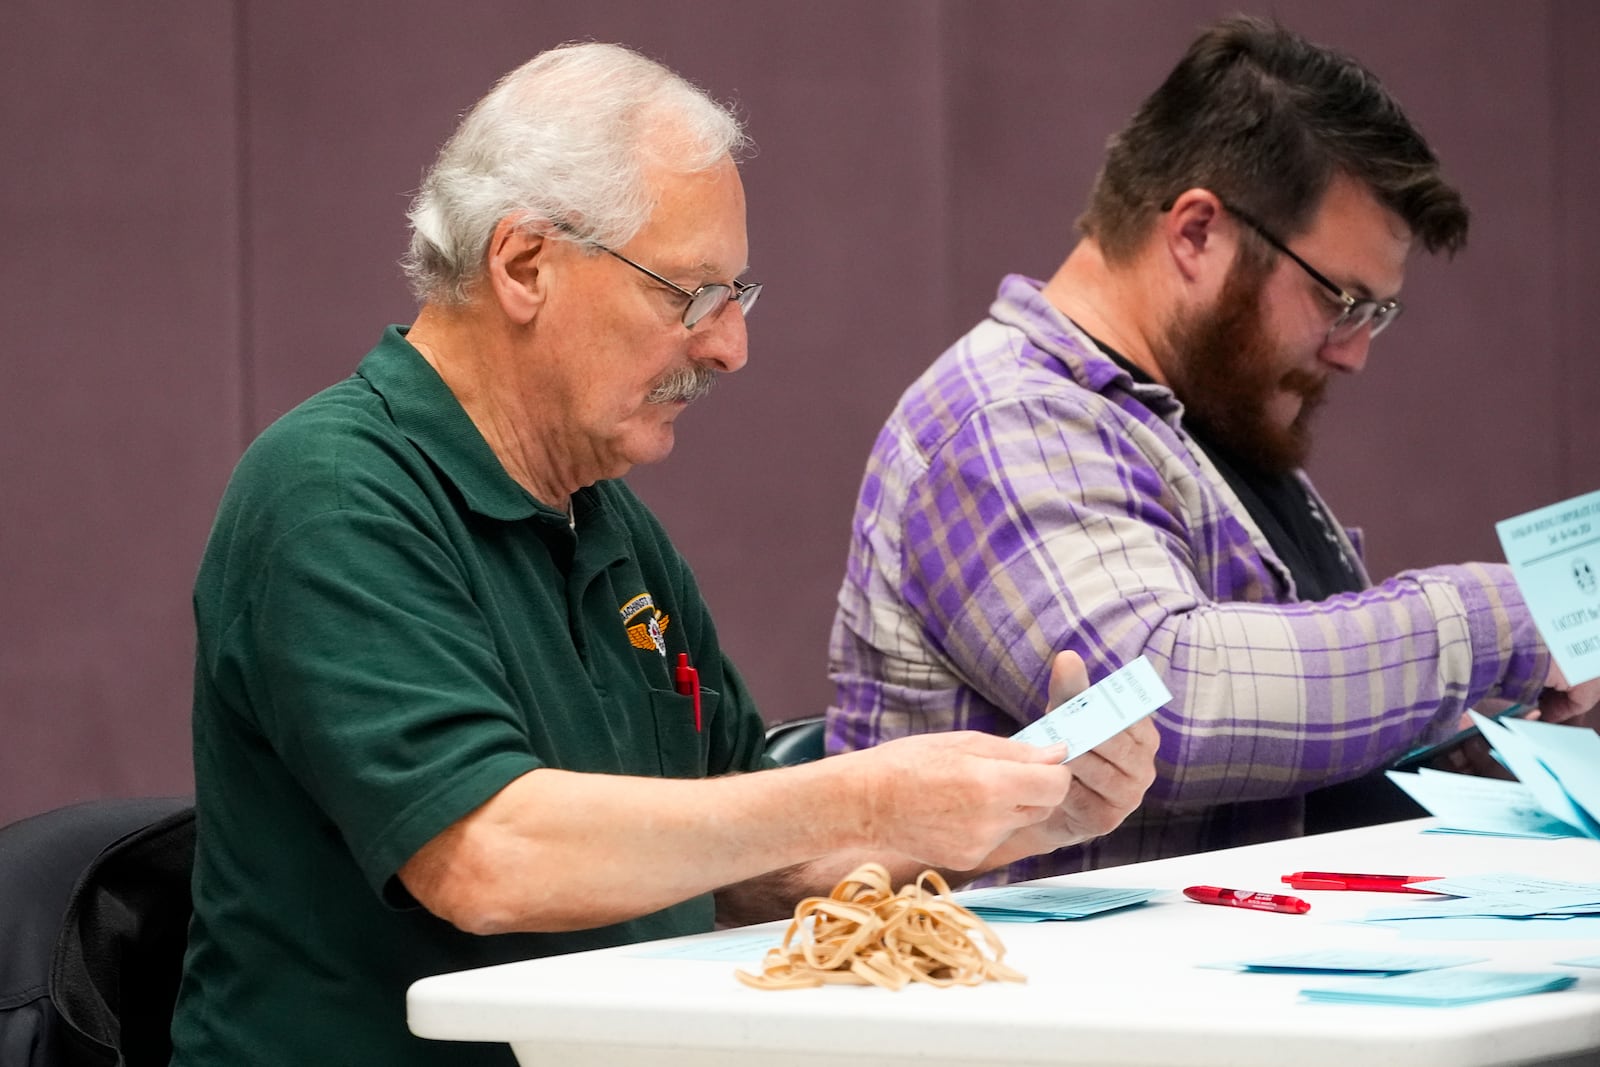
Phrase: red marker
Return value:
(1368, 883)
(687, 679)
(1238, 898)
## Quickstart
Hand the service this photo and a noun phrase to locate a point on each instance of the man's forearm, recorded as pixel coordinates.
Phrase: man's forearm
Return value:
(558, 850)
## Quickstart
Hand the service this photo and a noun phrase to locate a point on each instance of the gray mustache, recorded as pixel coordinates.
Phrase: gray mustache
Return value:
(686, 385)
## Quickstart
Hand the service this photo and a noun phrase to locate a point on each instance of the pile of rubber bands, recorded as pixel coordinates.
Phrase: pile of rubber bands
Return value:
(864, 933)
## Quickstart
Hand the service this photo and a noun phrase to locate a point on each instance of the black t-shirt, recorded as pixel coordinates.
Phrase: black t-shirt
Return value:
(1297, 527)
(1301, 534)
(1299, 530)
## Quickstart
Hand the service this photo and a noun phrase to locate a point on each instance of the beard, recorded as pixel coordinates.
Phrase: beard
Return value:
(1227, 374)
(686, 385)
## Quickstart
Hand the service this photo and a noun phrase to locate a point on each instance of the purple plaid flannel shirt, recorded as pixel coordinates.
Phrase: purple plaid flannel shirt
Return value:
(1026, 496)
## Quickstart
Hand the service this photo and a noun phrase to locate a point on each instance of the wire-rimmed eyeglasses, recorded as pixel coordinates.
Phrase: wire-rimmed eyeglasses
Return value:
(706, 300)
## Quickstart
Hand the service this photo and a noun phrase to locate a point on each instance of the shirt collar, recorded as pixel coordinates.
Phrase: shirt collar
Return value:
(1021, 304)
(430, 416)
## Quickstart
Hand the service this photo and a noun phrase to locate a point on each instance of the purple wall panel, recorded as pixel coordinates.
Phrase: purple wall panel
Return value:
(119, 408)
(1569, 412)
(1447, 430)
(237, 194)
(1036, 88)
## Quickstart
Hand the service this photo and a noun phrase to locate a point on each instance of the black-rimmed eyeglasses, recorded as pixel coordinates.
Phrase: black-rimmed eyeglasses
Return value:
(1354, 313)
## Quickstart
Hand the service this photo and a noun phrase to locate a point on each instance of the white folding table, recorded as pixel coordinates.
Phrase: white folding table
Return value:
(1122, 989)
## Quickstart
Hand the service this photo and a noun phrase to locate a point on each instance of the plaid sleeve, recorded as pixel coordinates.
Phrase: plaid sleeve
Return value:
(1064, 521)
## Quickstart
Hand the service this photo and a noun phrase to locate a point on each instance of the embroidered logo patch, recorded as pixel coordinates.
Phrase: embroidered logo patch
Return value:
(649, 632)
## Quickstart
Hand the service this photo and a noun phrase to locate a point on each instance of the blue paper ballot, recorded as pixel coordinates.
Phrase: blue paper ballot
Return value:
(1047, 903)
(731, 948)
(1531, 835)
(1524, 756)
(1571, 753)
(1548, 894)
(1466, 909)
(1508, 895)
(1565, 929)
(1105, 709)
(1582, 961)
(1554, 554)
(1348, 961)
(1441, 989)
(1469, 804)
(1557, 789)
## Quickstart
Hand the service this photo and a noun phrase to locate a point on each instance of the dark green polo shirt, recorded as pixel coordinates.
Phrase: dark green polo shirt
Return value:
(390, 631)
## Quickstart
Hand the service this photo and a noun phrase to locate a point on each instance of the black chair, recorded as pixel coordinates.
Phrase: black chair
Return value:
(797, 741)
(94, 914)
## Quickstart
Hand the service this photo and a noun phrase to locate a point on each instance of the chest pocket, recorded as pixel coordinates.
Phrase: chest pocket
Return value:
(683, 749)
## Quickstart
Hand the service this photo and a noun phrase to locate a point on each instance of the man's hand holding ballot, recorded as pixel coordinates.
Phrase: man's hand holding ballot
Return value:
(1110, 744)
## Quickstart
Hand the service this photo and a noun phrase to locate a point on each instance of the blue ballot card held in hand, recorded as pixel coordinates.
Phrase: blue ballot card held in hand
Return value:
(1554, 554)
(1101, 711)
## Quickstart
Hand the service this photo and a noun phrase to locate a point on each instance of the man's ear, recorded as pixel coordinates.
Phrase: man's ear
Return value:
(1200, 248)
(516, 269)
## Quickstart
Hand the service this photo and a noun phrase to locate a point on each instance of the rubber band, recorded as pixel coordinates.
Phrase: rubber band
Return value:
(864, 933)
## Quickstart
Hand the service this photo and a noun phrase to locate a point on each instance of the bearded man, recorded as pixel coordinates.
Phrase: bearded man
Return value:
(1110, 462)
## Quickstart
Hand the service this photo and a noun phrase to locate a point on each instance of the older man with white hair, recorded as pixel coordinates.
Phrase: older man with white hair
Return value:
(458, 700)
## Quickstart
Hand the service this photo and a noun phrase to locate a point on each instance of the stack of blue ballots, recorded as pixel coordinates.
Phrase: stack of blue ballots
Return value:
(1497, 906)
(1556, 794)
(1047, 903)
(1344, 962)
(1403, 978)
(1441, 989)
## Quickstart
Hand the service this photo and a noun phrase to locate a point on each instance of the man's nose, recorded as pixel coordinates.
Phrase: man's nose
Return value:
(1350, 355)
(720, 339)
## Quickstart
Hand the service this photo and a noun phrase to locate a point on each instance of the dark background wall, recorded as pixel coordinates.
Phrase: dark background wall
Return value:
(201, 205)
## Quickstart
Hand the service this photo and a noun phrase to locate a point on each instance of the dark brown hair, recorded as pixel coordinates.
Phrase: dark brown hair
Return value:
(1265, 119)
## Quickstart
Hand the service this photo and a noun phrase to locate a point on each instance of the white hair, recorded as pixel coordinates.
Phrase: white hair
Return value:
(564, 142)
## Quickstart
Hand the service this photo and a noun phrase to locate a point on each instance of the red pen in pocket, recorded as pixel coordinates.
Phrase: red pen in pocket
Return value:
(687, 680)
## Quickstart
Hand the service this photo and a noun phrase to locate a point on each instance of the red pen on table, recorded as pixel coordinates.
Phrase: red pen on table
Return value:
(1238, 898)
(687, 679)
(1369, 883)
